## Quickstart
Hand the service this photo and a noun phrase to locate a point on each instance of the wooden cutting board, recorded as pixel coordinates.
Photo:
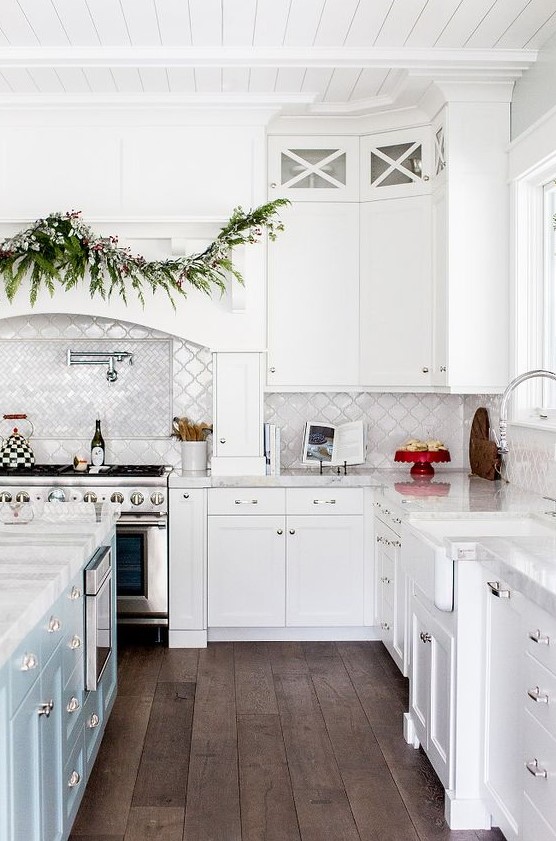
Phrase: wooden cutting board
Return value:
(483, 453)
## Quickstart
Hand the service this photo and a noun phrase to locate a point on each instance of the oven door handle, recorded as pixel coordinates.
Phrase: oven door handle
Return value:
(141, 522)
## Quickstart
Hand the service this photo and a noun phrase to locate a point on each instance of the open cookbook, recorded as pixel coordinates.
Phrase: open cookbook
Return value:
(325, 443)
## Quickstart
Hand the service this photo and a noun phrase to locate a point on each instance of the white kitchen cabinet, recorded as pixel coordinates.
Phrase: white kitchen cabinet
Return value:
(432, 687)
(287, 558)
(187, 566)
(4, 753)
(313, 168)
(313, 298)
(324, 571)
(504, 661)
(396, 293)
(396, 164)
(238, 414)
(246, 572)
(392, 586)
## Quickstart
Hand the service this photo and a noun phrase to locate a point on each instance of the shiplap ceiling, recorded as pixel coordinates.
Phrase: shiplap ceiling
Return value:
(317, 56)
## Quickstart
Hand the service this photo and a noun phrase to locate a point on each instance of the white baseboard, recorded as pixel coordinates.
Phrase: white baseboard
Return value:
(465, 814)
(187, 639)
(292, 634)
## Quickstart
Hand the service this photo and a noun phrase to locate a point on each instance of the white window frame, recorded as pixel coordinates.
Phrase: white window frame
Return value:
(528, 310)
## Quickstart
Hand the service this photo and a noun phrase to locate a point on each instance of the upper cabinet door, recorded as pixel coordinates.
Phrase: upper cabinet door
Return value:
(313, 168)
(396, 164)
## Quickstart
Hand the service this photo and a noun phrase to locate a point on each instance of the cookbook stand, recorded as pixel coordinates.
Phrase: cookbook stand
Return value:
(422, 460)
(338, 467)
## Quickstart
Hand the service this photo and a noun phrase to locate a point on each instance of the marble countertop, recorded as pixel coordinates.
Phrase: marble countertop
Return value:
(37, 562)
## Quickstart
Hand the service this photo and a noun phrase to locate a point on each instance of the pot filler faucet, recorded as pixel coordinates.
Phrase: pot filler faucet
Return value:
(510, 388)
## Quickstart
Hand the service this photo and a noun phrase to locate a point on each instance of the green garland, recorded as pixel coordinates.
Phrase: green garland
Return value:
(61, 248)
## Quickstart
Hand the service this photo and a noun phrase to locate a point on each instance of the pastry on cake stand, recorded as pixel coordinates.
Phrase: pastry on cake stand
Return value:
(422, 460)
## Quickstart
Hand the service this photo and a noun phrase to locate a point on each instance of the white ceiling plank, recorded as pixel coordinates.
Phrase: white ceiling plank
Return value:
(174, 23)
(109, 22)
(367, 23)
(289, 80)
(100, 80)
(263, 79)
(4, 86)
(303, 22)
(141, 22)
(271, 20)
(3, 40)
(523, 29)
(341, 84)
(20, 81)
(465, 20)
(181, 80)
(73, 80)
(45, 22)
(543, 34)
(77, 23)
(46, 80)
(15, 25)
(499, 18)
(208, 79)
(369, 83)
(399, 22)
(127, 79)
(238, 22)
(431, 23)
(335, 23)
(206, 22)
(154, 79)
(316, 80)
(235, 79)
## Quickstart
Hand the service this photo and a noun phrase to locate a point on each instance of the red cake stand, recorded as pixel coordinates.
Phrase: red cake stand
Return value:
(422, 460)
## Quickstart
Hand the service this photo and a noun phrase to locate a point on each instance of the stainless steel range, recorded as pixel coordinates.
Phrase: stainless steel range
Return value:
(141, 531)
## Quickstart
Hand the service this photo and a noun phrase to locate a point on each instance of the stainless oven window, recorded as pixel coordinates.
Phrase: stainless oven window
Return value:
(142, 569)
(98, 601)
(131, 566)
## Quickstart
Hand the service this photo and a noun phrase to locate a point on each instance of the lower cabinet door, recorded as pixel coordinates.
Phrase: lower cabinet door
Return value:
(51, 763)
(246, 571)
(26, 770)
(324, 571)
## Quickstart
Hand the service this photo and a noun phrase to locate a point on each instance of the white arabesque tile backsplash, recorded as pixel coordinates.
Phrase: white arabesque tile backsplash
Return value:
(170, 376)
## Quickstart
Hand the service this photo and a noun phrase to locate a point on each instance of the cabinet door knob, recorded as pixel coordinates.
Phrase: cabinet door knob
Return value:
(94, 721)
(292, 531)
(46, 709)
(273, 185)
(279, 531)
(75, 593)
(75, 642)
(425, 370)
(425, 636)
(54, 625)
(74, 779)
(538, 696)
(272, 370)
(496, 589)
(536, 636)
(30, 661)
(72, 705)
(222, 440)
(443, 369)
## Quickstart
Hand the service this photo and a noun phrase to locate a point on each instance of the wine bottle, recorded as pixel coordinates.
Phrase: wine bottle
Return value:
(97, 446)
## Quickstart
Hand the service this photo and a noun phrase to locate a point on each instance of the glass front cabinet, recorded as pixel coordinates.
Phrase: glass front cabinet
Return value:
(396, 163)
(313, 168)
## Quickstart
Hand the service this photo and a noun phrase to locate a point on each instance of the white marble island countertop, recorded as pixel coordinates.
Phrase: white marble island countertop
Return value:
(37, 562)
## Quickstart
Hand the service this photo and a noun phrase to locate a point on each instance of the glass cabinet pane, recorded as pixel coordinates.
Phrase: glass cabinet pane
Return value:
(396, 164)
(313, 168)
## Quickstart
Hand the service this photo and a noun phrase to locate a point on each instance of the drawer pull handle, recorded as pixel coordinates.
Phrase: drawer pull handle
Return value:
(496, 590)
(30, 661)
(541, 639)
(538, 696)
(379, 538)
(246, 501)
(75, 642)
(73, 705)
(534, 769)
(385, 626)
(94, 721)
(74, 779)
(386, 580)
(396, 543)
(75, 594)
(186, 496)
(54, 625)
(324, 502)
(425, 636)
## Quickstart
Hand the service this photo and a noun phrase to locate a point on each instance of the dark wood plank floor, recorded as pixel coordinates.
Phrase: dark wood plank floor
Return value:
(262, 742)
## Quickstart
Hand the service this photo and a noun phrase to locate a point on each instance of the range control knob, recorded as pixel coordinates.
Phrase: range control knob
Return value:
(5, 496)
(57, 495)
(117, 497)
(157, 498)
(137, 498)
(89, 496)
(22, 496)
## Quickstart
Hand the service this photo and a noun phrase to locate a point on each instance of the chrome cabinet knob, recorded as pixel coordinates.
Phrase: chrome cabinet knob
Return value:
(137, 498)
(94, 721)
(54, 625)
(73, 705)
(30, 661)
(22, 496)
(75, 642)
(279, 531)
(117, 497)
(74, 779)
(272, 370)
(425, 370)
(89, 496)
(222, 440)
(273, 185)
(424, 636)
(75, 593)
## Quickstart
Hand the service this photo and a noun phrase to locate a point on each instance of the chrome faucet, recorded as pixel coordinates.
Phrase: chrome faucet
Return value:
(503, 425)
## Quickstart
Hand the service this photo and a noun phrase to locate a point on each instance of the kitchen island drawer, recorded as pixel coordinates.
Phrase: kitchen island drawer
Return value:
(25, 668)
(325, 501)
(539, 769)
(240, 501)
(540, 630)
